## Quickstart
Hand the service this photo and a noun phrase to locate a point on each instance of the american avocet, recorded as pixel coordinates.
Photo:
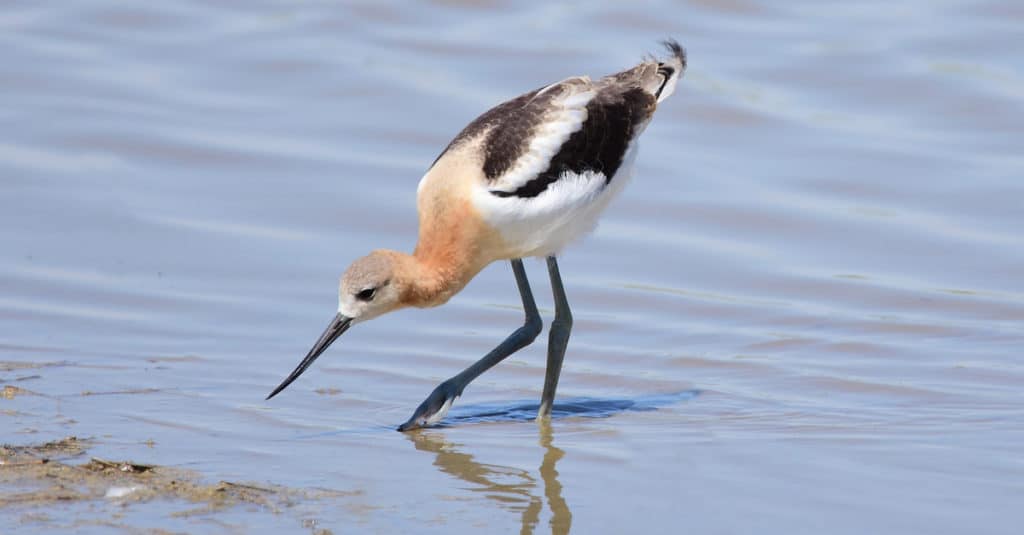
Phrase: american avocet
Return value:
(522, 180)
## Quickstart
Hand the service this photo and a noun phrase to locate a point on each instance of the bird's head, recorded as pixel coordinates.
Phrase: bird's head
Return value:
(371, 286)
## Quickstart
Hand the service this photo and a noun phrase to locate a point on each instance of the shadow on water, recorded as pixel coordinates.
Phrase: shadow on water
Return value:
(510, 411)
(512, 488)
(585, 407)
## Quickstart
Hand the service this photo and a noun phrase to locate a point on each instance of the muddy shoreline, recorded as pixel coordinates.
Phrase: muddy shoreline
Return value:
(39, 480)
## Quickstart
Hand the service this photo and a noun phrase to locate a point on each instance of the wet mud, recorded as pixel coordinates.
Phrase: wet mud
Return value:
(36, 478)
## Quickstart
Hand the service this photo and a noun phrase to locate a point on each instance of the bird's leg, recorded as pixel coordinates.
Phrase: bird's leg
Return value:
(558, 338)
(433, 409)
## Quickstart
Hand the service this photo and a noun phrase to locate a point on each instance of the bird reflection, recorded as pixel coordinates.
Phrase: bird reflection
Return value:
(511, 488)
(561, 517)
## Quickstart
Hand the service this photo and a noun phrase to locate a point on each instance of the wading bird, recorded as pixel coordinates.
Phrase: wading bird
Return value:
(522, 180)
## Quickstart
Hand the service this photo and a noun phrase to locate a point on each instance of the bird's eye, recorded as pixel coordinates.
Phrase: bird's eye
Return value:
(367, 294)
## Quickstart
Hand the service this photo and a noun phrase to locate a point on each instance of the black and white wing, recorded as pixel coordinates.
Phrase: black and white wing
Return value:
(574, 126)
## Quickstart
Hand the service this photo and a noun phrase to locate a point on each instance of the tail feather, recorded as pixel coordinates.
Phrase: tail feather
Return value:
(657, 78)
(671, 69)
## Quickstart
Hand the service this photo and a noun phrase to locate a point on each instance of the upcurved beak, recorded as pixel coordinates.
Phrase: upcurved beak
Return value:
(338, 325)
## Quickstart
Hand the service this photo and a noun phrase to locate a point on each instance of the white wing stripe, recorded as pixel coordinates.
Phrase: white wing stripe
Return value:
(567, 117)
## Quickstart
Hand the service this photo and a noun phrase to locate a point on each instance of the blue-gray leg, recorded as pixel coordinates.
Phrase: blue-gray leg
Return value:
(558, 338)
(433, 409)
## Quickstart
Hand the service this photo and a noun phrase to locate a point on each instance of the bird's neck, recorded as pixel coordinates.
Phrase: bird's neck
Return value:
(454, 245)
(431, 279)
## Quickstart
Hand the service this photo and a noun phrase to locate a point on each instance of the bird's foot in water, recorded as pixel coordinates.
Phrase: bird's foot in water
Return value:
(435, 407)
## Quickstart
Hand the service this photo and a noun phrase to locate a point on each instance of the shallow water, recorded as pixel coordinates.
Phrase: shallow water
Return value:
(804, 314)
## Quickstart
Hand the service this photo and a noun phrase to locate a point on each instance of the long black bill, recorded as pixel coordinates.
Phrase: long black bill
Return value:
(337, 326)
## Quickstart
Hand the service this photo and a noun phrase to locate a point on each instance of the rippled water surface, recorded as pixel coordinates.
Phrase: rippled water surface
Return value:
(804, 315)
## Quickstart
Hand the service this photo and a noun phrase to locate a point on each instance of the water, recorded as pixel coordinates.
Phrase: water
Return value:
(804, 315)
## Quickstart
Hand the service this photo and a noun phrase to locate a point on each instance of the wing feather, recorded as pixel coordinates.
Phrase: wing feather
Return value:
(574, 127)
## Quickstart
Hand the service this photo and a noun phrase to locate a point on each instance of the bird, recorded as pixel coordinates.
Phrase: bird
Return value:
(524, 179)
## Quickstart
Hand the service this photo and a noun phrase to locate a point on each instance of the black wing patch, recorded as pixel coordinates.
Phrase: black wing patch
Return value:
(613, 116)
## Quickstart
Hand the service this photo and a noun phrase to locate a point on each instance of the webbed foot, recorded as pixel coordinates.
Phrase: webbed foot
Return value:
(435, 407)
